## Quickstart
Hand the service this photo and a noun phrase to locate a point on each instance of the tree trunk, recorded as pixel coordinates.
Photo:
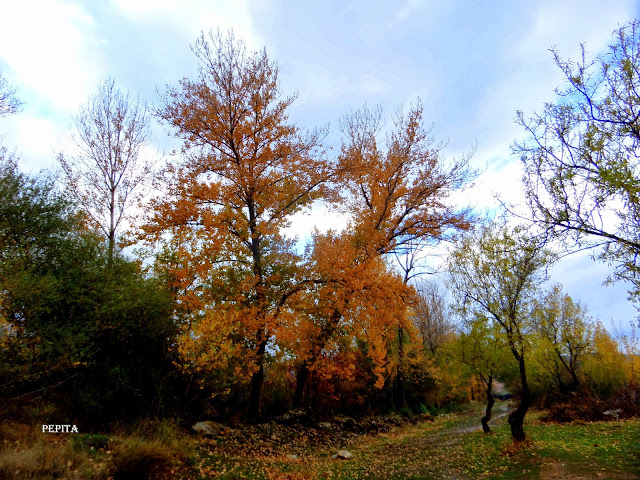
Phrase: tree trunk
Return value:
(301, 381)
(316, 349)
(575, 383)
(391, 396)
(490, 401)
(400, 386)
(516, 418)
(112, 225)
(257, 380)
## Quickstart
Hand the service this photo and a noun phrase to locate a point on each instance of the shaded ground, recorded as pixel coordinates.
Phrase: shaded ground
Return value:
(451, 447)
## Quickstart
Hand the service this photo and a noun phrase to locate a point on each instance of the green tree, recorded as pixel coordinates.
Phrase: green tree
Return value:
(484, 349)
(565, 333)
(494, 275)
(582, 154)
(76, 325)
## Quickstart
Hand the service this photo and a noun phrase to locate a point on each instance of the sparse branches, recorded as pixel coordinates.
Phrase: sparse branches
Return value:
(582, 156)
(9, 103)
(106, 167)
(431, 316)
(399, 194)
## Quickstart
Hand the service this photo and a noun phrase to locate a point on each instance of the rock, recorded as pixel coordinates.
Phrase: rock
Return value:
(292, 456)
(209, 428)
(345, 422)
(614, 413)
(294, 417)
(343, 455)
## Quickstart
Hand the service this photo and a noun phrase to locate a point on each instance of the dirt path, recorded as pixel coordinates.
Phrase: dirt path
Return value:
(450, 447)
(500, 411)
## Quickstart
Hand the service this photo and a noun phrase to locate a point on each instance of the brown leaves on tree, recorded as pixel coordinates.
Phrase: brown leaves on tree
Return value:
(243, 292)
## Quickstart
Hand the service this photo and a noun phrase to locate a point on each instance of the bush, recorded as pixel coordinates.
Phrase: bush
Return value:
(586, 406)
(88, 334)
(419, 409)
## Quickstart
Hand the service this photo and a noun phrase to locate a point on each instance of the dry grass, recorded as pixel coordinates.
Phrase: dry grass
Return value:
(153, 451)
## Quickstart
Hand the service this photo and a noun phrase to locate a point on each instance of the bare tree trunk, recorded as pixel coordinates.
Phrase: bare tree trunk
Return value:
(490, 401)
(516, 418)
(112, 225)
(400, 385)
(257, 381)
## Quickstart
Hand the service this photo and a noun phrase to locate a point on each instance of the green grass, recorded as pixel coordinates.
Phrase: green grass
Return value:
(447, 448)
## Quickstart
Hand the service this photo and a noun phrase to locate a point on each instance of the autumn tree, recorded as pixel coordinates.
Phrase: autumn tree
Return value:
(581, 156)
(107, 167)
(351, 301)
(565, 331)
(399, 192)
(245, 171)
(494, 275)
(604, 366)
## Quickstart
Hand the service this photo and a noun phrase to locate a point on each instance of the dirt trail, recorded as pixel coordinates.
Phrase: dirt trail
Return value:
(500, 410)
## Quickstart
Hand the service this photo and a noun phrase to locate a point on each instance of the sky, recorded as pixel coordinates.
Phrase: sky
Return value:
(472, 64)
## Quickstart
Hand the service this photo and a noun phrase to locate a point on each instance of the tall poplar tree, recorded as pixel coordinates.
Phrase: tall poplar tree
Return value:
(245, 171)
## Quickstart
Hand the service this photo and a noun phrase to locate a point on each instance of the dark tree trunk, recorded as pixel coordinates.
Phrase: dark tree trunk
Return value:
(316, 349)
(401, 394)
(516, 418)
(490, 401)
(575, 383)
(257, 380)
(301, 381)
(391, 396)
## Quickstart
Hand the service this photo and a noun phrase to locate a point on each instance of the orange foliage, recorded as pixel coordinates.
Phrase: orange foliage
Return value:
(242, 292)
(401, 193)
(245, 171)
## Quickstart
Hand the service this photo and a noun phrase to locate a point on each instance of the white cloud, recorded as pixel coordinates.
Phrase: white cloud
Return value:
(192, 16)
(37, 138)
(323, 85)
(51, 49)
(319, 216)
(409, 7)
